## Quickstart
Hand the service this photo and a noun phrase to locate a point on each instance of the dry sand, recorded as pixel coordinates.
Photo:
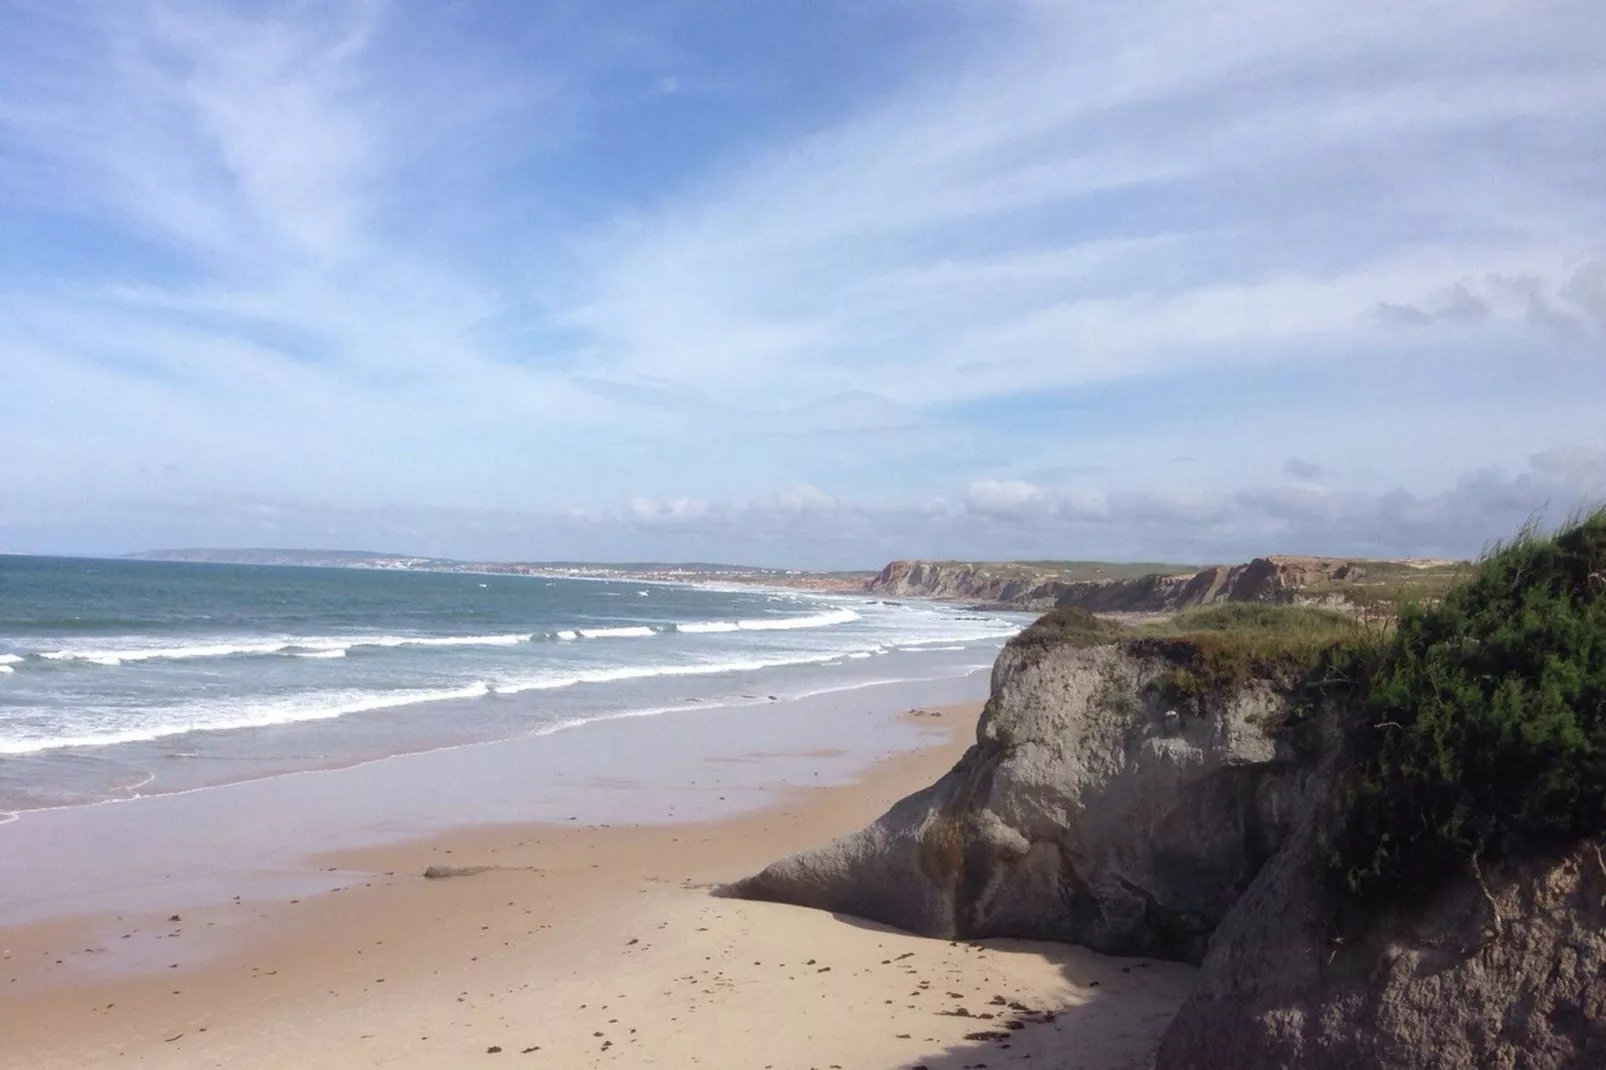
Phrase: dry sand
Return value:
(577, 947)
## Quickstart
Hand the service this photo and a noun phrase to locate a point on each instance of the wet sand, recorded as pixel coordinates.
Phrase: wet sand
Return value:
(575, 946)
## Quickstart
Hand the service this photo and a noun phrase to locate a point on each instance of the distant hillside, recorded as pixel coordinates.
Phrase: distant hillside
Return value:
(1353, 583)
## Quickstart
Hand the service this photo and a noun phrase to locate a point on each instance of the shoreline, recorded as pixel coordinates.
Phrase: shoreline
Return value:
(595, 945)
(269, 715)
(9, 815)
(190, 848)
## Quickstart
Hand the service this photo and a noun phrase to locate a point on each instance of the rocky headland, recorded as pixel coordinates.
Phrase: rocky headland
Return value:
(1340, 583)
(1382, 845)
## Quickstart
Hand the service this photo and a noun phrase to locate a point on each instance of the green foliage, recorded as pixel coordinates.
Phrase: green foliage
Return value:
(1218, 650)
(1261, 620)
(1068, 626)
(1485, 726)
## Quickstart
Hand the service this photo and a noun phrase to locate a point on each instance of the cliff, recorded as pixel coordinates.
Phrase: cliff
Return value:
(1338, 582)
(1503, 967)
(1091, 809)
(1385, 852)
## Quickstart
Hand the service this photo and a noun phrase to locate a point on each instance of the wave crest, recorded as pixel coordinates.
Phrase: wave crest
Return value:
(228, 717)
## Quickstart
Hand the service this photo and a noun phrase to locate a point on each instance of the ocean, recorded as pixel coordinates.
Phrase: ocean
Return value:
(125, 678)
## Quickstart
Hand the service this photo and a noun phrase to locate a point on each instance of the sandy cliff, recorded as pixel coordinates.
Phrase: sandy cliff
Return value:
(1277, 579)
(1093, 810)
(1089, 810)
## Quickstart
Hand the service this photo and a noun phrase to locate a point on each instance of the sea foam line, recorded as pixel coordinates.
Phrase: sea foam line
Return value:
(644, 672)
(318, 708)
(6, 817)
(338, 646)
(267, 715)
(325, 646)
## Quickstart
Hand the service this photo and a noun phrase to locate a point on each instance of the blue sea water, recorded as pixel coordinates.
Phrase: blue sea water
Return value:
(129, 677)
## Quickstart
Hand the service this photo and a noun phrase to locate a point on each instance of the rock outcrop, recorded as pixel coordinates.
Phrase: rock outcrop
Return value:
(1287, 580)
(1088, 811)
(1181, 795)
(1506, 970)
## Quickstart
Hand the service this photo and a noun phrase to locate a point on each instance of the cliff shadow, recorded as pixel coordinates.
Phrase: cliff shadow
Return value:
(1034, 1004)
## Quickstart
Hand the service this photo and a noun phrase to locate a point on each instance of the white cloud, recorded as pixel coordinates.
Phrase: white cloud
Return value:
(316, 261)
(1458, 520)
(1003, 497)
(954, 242)
(673, 511)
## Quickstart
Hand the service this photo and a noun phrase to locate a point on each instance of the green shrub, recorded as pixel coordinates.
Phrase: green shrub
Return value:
(1218, 650)
(1069, 625)
(1485, 728)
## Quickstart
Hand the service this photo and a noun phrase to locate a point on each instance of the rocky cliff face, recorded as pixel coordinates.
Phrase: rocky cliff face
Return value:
(1507, 973)
(1087, 812)
(1316, 580)
(1090, 812)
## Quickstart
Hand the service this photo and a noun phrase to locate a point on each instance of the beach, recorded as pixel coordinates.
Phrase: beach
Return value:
(561, 943)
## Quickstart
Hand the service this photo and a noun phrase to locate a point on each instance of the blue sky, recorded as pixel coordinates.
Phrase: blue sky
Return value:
(800, 283)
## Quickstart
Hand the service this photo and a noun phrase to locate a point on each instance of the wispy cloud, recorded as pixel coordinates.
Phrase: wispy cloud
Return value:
(562, 263)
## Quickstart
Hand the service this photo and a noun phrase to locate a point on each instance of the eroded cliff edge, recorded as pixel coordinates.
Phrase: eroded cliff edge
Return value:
(1391, 860)
(1103, 803)
(1352, 583)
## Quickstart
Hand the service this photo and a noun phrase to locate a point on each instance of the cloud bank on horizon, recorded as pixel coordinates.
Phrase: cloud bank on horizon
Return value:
(800, 284)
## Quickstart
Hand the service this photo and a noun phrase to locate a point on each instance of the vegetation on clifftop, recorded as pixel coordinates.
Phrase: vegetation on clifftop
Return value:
(1218, 649)
(1485, 728)
(1479, 719)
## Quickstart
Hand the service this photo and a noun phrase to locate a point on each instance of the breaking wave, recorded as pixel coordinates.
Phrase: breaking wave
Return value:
(340, 646)
(222, 717)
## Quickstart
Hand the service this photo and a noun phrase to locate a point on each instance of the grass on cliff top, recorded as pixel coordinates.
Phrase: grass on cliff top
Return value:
(1485, 727)
(1218, 649)
(1069, 626)
(1076, 571)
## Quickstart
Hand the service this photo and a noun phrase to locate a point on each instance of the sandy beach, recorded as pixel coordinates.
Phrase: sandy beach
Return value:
(566, 945)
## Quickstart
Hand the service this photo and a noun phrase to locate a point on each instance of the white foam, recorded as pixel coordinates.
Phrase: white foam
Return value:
(6, 669)
(701, 627)
(555, 681)
(637, 632)
(224, 717)
(298, 646)
(442, 640)
(10, 659)
(567, 635)
(200, 650)
(818, 620)
(770, 624)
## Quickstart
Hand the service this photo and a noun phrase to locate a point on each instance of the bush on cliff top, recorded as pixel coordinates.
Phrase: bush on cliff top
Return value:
(1218, 650)
(1485, 729)
(1070, 626)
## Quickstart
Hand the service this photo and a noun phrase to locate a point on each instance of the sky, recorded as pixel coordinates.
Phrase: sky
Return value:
(810, 283)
